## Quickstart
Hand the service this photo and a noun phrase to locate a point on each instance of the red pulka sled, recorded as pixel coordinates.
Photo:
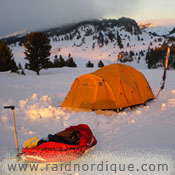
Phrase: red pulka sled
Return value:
(60, 152)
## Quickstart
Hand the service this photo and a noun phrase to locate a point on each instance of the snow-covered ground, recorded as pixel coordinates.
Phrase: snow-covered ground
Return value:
(143, 135)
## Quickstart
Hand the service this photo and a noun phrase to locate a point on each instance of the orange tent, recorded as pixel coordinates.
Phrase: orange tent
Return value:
(115, 86)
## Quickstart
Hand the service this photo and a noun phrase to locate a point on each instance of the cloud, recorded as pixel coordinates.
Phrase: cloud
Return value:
(29, 15)
(117, 7)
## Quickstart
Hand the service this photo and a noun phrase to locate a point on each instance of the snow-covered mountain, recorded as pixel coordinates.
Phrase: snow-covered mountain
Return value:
(160, 30)
(172, 32)
(107, 40)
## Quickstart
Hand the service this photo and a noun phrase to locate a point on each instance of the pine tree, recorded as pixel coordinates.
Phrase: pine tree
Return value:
(100, 64)
(119, 41)
(19, 66)
(131, 53)
(37, 51)
(56, 62)
(6, 58)
(70, 62)
(89, 64)
(62, 62)
(100, 39)
(26, 66)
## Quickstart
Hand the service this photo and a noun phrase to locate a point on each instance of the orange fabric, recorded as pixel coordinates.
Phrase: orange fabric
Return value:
(111, 87)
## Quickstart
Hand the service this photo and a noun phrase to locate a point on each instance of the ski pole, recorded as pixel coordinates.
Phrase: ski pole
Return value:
(14, 126)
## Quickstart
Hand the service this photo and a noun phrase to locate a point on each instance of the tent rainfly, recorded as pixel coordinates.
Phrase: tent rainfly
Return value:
(112, 87)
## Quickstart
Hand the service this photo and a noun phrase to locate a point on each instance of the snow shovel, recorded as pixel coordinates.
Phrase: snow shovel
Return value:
(14, 127)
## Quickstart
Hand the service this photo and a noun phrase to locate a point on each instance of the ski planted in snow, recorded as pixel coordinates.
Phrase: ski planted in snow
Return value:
(164, 74)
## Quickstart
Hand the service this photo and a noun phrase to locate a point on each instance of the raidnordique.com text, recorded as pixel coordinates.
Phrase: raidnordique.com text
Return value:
(103, 166)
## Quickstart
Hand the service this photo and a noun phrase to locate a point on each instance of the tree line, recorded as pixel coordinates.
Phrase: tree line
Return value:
(156, 57)
(37, 52)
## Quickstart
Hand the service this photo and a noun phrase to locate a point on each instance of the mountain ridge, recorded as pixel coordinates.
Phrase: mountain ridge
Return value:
(130, 25)
(107, 39)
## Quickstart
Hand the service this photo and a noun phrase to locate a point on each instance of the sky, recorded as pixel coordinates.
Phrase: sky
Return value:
(28, 15)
